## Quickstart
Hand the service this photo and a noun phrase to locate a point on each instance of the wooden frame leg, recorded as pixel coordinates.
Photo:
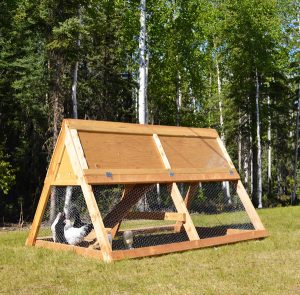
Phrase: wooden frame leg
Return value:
(96, 219)
(187, 200)
(116, 228)
(181, 208)
(39, 215)
(249, 206)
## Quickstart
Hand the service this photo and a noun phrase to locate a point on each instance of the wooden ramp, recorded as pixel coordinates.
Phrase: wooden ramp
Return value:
(134, 159)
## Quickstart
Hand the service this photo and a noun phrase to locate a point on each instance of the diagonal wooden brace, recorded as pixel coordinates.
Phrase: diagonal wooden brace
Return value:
(116, 215)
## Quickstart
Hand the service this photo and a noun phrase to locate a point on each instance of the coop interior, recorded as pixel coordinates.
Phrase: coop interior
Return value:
(143, 215)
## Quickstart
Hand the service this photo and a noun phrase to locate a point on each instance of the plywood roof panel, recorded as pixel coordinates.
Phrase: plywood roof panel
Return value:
(119, 151)
(128, 153)
(196, 152)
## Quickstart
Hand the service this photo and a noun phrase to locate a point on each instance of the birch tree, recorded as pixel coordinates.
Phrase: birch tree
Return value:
(142, 98)
(258, 138)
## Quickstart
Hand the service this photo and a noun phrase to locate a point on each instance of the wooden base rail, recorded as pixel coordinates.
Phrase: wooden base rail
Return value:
(188, 245)
(156, 216)
(231, 237)
(87, 252)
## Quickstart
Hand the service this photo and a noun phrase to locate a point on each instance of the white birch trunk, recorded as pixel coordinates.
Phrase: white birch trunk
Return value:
(74, 91)
(225, 184)
(251, 163)
(178, 99)
(269, 150)
(240, 144)
(143, 72)
(143, 66)
(293, 196)
(75, 77)
(220, 102)
(246, 169)
(259, 178)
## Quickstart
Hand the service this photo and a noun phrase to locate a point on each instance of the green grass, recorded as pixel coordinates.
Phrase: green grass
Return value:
(269, 266)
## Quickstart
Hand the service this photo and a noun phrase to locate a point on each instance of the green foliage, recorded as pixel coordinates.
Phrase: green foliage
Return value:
(187, 41)
(7, 174)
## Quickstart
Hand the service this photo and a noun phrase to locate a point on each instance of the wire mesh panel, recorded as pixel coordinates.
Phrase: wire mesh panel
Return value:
(215, 208)
(66, 219)
(143, 215)
(149, 220)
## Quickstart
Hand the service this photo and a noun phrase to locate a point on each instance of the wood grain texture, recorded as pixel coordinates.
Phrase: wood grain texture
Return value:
(119, 151)
(51, 175)
(94, 178)
(39, 213)
(151, 229)
(200, 153)
(86, 252)
(122, 208)
(181, 208)
(156, 216)
(65, 172)
(188, 245)
(116, 228)
(176, 196)
(76, 153)
(191, 192)
(129, 128)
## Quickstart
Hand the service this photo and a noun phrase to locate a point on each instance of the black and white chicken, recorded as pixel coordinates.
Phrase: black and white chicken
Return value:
(75, 235)
(57, 228)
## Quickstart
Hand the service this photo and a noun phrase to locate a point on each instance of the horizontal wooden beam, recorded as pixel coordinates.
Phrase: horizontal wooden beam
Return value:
(65, 182)
(231, 231)
(93, 178)
(188, 245)
(156, 216)
(233, 237)
(150, 229)
(138, 171)
(87, 252)
(129, 128)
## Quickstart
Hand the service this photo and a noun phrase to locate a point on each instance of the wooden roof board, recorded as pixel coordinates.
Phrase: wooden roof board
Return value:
(129, 153)
(195, 152)
(131, 128)
(119, 151)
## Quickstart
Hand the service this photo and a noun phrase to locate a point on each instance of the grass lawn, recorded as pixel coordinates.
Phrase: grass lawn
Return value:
(270, 266)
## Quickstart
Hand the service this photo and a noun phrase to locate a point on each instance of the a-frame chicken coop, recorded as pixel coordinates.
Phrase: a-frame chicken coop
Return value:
(117, 190)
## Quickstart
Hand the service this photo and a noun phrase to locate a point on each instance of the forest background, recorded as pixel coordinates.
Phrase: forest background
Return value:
(233, 65)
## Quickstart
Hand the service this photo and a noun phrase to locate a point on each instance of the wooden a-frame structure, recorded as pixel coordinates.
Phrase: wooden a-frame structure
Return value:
(94, 153)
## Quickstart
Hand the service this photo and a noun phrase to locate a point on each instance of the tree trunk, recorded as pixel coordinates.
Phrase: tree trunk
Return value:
(246, 167)
(269, 150)
(293, 197)
(74, 91)
(225, 184)
(178, 100)
(75, 76)
(240, 144)
(143, 66)
(259, 176)
(143, 72)
(56, 69)
(220, 103)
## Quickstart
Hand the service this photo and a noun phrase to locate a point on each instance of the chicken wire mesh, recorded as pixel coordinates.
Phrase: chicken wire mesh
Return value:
(134, 215)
